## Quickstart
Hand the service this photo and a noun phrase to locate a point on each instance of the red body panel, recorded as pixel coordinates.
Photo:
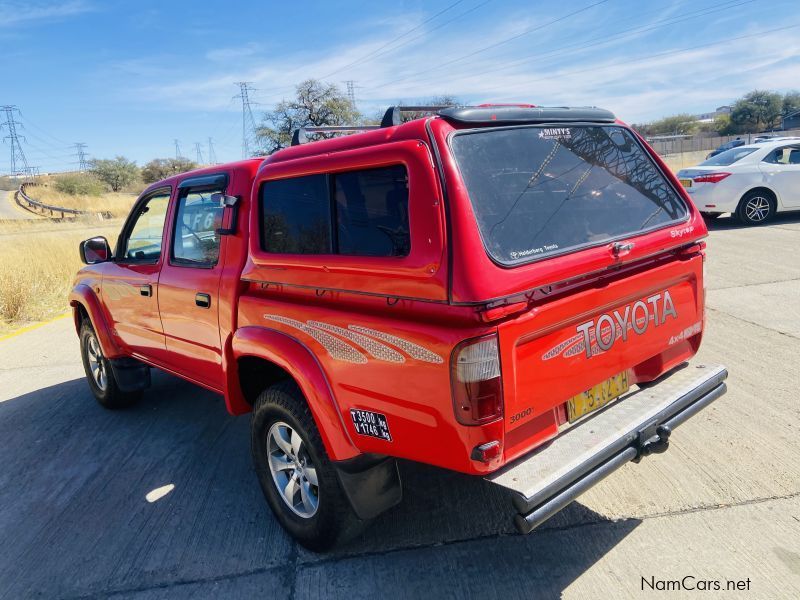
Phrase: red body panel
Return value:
(378, 334)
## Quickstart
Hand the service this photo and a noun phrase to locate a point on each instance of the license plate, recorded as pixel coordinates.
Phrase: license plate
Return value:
(687, 183)
(597, 396)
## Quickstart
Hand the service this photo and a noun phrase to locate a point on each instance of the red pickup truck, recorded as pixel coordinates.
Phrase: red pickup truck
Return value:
(512, 292)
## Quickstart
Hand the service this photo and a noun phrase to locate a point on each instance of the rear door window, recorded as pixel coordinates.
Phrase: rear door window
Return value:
(296, 215)
(357, 213)
(542, 191)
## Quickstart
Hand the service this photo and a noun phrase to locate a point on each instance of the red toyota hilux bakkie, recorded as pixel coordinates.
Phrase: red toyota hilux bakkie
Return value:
(513, 292)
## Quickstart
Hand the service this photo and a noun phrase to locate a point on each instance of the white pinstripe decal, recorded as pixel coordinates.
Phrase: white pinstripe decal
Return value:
(410, 348)
(337, 348)
(375, 348)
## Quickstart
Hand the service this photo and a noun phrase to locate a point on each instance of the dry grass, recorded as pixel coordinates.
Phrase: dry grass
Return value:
(38, 262)
(116, 203)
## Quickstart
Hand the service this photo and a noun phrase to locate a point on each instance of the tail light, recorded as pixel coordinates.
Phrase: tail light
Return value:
(711, 177)
(475, 377)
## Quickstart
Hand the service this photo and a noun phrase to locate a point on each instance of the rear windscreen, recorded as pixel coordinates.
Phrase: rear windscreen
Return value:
(541, 191)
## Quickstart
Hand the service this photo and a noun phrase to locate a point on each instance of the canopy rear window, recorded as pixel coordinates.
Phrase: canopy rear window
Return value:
(542, 191)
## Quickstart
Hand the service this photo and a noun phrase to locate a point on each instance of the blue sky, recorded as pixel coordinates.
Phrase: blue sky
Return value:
(130, 77)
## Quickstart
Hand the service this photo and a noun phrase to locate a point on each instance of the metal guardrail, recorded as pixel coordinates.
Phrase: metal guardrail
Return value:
(43, 208)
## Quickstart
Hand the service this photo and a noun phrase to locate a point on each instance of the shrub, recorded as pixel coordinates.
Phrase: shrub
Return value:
(79, 184)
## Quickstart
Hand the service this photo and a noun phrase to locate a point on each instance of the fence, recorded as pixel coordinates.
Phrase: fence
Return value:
(705, 143)
(49, 209)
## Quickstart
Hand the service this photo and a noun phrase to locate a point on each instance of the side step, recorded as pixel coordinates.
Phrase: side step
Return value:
(634, 426)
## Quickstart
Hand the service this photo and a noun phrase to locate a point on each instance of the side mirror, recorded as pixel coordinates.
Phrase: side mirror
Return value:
(231, 202)
(95, 250)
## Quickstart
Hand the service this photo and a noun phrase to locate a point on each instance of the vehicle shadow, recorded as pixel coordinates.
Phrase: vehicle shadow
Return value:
(74, 518)
(728, 221)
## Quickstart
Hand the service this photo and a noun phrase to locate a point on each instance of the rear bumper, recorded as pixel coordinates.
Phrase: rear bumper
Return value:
(636, 425)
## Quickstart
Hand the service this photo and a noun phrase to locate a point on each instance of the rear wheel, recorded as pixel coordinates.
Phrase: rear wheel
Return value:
(99, 373)
(296, 476)
(756, 207)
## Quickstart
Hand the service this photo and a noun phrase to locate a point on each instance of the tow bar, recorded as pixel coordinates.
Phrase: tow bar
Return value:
(637, 425)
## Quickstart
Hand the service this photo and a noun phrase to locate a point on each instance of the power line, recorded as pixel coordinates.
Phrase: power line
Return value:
(245, 88)
(80, 148)
(495, 44)
(604, 39)
(19, 164)
(212, 157)
(351, 92)
(392, 41)
(650, 56)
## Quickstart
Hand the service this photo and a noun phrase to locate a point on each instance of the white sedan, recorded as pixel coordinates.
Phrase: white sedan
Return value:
(753, 182)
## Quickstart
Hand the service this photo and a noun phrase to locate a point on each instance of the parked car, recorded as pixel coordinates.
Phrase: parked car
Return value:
(506, 291)
(753, 182)
(726, 146)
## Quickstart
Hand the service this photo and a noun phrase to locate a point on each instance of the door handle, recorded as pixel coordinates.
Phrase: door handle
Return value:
(202, 300)
(146, 290)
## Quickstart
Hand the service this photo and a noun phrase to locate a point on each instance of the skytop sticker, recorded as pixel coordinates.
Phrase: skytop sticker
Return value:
(556, 133)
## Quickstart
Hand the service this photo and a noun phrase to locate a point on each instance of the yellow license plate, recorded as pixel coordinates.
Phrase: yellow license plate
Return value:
(687, 183)
(597, 396)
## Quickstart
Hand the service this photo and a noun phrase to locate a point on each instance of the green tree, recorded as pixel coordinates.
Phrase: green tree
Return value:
(117, 173)
(791, 103)
(680, 124)
(756, 111)
(161, 168)
(315, 104)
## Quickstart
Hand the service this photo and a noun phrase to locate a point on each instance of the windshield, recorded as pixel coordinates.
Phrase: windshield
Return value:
(723, 159)
(541, 191)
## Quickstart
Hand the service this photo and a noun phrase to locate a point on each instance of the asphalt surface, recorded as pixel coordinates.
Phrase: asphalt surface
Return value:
(9, 208)
(723, 503)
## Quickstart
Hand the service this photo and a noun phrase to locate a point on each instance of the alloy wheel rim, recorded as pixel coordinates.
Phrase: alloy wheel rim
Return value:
(293, 473)
(96, 364)
(757, 208)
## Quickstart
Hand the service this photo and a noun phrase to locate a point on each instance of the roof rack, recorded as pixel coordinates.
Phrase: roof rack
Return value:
(300, 136)
(495, 114)
(392, 117)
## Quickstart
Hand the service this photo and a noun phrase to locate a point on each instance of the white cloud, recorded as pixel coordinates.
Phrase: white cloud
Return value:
(640, 76)
(17, 13)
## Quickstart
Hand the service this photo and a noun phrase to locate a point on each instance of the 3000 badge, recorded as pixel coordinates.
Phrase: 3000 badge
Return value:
(371, 423)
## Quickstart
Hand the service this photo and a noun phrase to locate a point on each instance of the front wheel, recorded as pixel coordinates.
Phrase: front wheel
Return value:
(296, 476)
(756, 208)
(99, 373)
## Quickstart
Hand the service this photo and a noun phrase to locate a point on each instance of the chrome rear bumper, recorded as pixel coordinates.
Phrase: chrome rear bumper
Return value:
(634, 426)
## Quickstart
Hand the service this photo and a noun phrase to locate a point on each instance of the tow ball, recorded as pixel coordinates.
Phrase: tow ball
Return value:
(653, 439)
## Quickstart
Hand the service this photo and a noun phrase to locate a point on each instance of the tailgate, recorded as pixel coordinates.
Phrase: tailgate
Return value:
(640, 324)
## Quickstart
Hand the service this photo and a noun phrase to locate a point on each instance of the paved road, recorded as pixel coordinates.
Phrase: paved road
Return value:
(10, 210)
(723, 503)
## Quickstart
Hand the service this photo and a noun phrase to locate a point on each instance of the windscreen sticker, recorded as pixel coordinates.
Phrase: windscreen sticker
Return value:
(371, 424)
(556, 133)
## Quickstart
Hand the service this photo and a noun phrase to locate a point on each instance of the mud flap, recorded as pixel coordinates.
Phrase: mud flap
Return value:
(131, 375)
(371, 484)
(636, 425)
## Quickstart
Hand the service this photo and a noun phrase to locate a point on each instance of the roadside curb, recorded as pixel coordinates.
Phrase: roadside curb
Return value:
(27, 328)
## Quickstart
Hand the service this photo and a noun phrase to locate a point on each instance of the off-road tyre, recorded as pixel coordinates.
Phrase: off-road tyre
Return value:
(104, 389)
(334, 520)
